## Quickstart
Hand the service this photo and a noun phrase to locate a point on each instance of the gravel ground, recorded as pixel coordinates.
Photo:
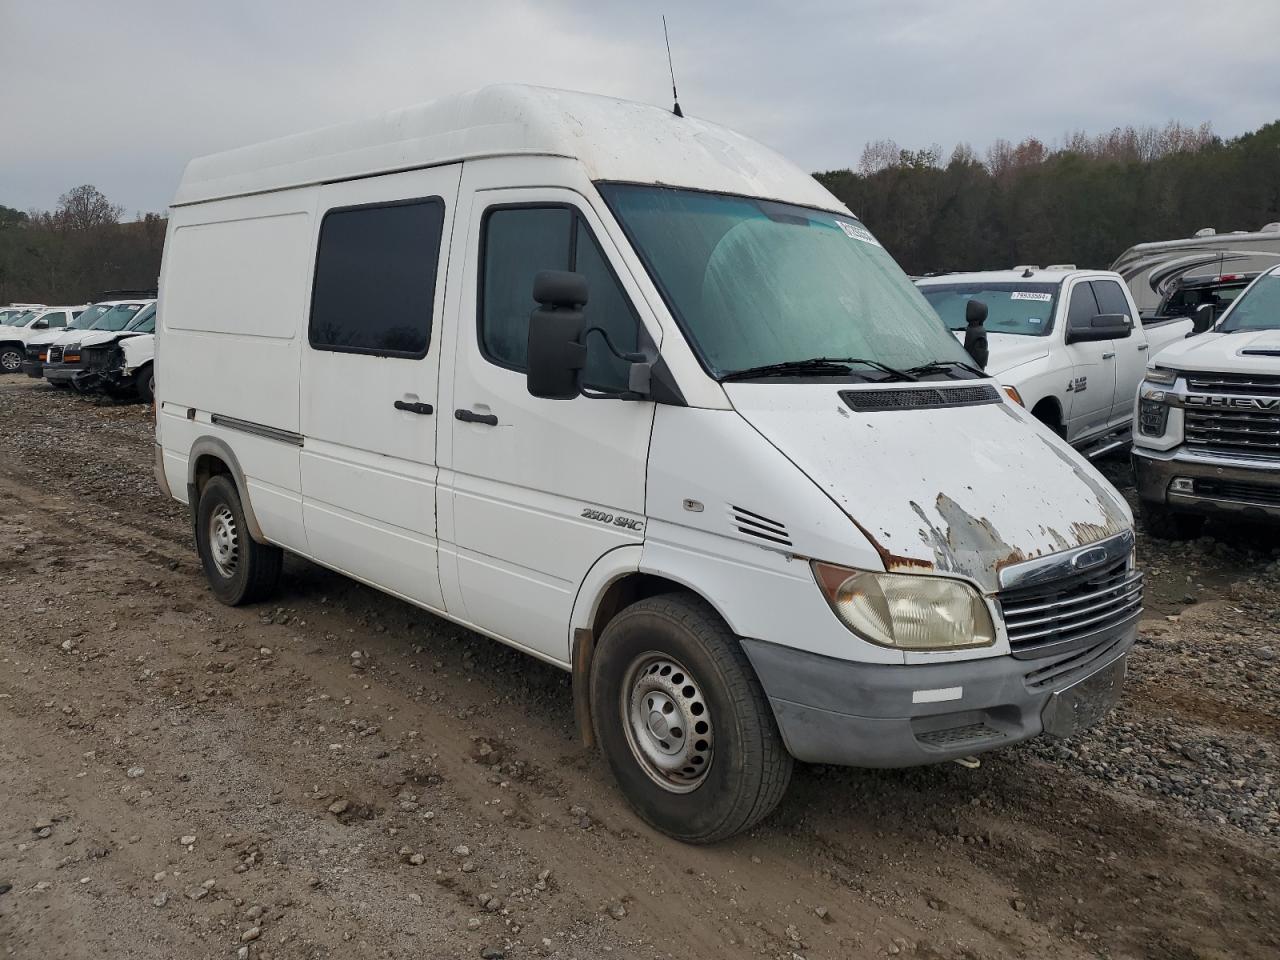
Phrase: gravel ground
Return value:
(338, 774)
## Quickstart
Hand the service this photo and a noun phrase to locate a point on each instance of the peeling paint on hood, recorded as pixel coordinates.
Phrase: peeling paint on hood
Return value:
(966, 491)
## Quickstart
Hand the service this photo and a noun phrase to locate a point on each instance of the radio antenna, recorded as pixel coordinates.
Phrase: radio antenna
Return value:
(671, 66)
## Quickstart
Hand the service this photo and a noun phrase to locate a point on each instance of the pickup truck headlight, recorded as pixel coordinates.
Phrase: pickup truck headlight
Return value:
(907, 612)
(1161, 375)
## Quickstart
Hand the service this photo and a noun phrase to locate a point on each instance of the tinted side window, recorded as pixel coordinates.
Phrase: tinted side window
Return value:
(1083, 306)
(518, 242)
(1110, 297)
(375, 281)
(56, 319)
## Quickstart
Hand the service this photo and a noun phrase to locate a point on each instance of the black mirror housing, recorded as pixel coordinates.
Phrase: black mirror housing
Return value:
(557, 354)
(1204, 318)
(975, 335)
(1104, 326)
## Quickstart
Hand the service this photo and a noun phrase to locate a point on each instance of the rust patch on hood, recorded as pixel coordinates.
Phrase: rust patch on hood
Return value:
(893, 562)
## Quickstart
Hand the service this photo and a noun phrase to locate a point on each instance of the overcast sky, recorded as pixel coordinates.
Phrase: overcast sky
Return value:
(121, 93)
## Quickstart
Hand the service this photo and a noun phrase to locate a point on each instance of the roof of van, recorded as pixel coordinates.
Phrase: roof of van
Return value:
(614, 139)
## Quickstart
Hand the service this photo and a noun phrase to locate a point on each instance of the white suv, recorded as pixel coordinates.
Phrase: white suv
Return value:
(14, 337)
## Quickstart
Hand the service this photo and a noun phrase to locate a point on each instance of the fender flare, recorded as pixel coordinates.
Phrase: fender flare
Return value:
(216, 447)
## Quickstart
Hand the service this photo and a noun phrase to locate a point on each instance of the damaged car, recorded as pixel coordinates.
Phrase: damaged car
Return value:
(82, 359)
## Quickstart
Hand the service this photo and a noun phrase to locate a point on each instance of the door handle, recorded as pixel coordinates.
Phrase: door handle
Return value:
(1143, 346)
(470, 416)
(1109, 356)
(411, 407)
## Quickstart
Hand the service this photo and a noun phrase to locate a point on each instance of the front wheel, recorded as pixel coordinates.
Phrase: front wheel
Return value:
(684, 722)
(145, 382)
(239, 569)
(10, 359)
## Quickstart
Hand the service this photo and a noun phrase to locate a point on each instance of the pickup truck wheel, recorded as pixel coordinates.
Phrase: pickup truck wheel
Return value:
(1160, 522)
(239, 569)
(145, 382)
(10, 359)
(683, 721)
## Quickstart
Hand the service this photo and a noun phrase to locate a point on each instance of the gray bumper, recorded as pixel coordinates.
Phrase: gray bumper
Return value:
(874, 715)
(1249, 489)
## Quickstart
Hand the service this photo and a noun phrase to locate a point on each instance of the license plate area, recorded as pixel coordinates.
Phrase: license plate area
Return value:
(1085, 702)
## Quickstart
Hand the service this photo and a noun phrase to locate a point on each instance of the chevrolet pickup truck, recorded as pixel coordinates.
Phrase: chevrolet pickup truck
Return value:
(1208, 412)
(1067, 344)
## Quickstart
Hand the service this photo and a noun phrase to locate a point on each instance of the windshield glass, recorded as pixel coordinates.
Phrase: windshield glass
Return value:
(6, 316)
(1025, 309)
(1258, 308)
(145, 321)
(23, 319)
(754, 282)
(89, 317)
(118, 317)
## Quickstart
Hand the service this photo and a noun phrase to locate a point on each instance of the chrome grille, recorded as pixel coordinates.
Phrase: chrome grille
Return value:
(1257, 384)
(1061, 614)
(55, 354)
(1249, 432)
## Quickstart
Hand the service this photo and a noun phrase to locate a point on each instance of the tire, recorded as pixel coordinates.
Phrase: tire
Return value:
(145, 382)
(239, 569)
(1161, 523)
(672, 656)
(11, 358)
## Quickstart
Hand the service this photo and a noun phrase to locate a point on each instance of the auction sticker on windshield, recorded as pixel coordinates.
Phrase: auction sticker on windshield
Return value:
(856, 231)
(1030, 295)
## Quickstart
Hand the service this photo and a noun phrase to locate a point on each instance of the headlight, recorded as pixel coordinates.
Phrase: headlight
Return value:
(1161, 375)
(907, 612)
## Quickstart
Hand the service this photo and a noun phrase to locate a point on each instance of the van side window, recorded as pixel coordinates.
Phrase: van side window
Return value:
(1110, 297)
(1083, 306)
(375, 280)
(517, 242)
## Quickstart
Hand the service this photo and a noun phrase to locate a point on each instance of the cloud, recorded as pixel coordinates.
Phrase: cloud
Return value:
(148, 84)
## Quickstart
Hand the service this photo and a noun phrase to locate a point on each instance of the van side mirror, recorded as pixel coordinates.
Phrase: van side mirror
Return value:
(40, 325)
(975, 335)
(1203, 319)
(556, 351)
(1104, 326)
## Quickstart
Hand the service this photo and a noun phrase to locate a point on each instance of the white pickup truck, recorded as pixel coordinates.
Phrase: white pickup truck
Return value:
(1063, 342)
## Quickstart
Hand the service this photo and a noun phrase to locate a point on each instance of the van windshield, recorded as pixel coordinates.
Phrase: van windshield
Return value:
(756, 282)
(1025, 309)
(118, 317)
(89, 317)
(1258, 308)
(145, 321)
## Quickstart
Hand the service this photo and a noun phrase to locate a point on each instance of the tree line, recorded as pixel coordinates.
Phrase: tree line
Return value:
(77, 251)
(1083, 200)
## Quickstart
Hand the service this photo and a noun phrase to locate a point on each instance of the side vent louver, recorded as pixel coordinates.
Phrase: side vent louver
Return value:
(919, 398)
(762, 528)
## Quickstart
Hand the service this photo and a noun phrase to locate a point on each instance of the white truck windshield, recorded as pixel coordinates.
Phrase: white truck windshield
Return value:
(755, 282)
(118, 317)
(1025, 309)
(1258, 308)
(89, 317)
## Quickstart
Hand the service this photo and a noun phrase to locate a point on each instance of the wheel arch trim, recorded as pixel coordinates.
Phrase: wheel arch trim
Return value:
(207, 446)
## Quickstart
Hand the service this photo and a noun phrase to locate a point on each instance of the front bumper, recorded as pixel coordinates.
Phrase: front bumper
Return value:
(874, 715)
(78, 375)
(1247, 488)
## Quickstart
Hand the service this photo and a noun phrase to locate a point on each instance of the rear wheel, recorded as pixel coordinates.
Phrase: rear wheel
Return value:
(10, 359)
(683, 721)
(145, 382)
(239, 569)
(1160, 522)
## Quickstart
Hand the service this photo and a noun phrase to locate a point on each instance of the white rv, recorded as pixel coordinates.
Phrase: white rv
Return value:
(634, 394)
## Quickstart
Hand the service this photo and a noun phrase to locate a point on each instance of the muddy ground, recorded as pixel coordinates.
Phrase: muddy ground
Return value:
(338, 774)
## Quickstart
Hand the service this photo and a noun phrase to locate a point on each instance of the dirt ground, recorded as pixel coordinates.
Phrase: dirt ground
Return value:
(339, 774)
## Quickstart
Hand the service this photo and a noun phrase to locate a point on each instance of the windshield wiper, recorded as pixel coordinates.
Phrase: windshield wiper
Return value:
(942, 366)
(816, 366)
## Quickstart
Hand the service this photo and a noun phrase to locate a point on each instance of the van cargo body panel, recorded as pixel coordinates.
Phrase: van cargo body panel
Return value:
(958, 490)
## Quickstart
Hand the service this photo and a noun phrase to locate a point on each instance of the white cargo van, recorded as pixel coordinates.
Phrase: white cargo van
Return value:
(634, 394)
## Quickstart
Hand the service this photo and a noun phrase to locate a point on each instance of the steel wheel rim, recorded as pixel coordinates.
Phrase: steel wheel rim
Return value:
(224, 541)
(10, 360)
(667, 722)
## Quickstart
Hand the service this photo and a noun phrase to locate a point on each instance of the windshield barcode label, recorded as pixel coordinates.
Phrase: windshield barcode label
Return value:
(1030, 295)
(856, 231)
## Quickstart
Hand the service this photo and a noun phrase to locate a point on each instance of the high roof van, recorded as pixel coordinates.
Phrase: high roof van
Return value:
(634, 394)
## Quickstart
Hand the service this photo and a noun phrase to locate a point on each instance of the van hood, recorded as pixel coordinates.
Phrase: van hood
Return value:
(1248, 351)
(959, 490)
(45, 336)
(1009, 350)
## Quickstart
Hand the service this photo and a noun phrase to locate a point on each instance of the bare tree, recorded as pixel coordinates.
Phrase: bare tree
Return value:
(84, 207)
(878, 155)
